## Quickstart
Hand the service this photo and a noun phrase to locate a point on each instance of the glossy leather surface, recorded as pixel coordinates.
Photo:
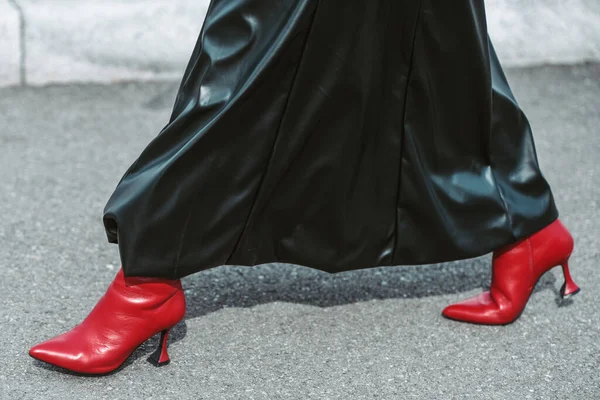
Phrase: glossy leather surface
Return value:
(515, 271)
(339, 135)
(131, 311)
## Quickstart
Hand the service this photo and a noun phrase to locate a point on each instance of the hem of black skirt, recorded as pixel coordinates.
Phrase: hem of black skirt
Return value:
(532, 228)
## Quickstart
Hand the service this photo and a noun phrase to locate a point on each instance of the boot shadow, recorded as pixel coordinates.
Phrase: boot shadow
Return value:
(242, 286)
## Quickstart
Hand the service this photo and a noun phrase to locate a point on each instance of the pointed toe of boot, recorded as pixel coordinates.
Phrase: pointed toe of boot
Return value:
(41, 352)
(56, 352)
(480, 309)
(65, 352)
(455, 312)
(459, 312)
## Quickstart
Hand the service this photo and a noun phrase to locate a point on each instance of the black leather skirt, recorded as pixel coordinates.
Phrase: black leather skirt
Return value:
(334, 134)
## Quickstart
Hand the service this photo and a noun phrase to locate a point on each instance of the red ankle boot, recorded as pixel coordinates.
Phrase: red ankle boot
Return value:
(515, 271)
(131, 311)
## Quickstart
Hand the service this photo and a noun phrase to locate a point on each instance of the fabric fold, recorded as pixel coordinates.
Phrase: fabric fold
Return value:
(337, 135)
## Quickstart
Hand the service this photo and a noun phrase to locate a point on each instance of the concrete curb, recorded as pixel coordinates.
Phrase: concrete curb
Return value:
(61, 41)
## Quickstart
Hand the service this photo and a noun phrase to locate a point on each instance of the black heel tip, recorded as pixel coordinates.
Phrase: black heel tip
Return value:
(154, 361)
(569, 295)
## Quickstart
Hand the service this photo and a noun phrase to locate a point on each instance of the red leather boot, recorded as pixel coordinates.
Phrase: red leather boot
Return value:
(515, 271)
(131, 311)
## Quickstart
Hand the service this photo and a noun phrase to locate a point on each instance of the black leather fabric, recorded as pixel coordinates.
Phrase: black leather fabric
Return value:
(335, 134)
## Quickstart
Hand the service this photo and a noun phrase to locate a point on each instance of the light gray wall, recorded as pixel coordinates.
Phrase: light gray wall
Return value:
(530, 32)
(59, 41)
(9, 44)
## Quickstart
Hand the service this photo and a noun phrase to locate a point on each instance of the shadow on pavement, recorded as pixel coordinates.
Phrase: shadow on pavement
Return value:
(240, 286)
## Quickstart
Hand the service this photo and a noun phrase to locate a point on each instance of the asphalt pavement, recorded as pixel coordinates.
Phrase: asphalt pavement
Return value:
(281, 331)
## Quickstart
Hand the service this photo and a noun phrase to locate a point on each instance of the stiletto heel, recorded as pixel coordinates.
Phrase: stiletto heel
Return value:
(569, 288)
(160, 357)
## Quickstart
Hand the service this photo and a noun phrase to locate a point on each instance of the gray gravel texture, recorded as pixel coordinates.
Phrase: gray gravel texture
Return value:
(282, 331)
